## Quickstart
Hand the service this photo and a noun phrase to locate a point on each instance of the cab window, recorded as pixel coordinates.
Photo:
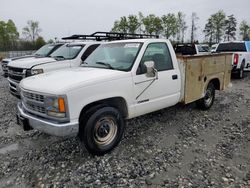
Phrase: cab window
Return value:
(159, 54)
(88, 51)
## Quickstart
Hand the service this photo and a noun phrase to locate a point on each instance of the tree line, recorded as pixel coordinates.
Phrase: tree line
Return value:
(10, 37)
(219, 27)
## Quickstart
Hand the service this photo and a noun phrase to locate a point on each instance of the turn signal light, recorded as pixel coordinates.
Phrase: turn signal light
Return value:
(61, 105)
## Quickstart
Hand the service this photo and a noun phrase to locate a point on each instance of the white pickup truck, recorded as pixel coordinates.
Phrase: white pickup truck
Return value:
(44, 51)
(120, 80)
(241, 60)
(69, 55)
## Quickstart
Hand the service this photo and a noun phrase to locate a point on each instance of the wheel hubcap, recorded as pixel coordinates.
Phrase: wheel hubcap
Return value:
(208, 97)
(105, 131)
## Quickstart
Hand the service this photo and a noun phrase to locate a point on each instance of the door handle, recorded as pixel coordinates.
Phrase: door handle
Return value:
(175, 77)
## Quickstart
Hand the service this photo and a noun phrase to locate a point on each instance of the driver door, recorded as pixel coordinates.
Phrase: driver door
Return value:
(160, 91)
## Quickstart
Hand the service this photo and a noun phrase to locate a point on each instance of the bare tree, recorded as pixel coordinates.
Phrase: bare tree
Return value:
(181, 26)
(194, 18)
(32, 30)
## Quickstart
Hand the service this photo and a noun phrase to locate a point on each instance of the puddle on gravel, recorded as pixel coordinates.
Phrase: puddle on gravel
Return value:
(9, 148)
(225, 100)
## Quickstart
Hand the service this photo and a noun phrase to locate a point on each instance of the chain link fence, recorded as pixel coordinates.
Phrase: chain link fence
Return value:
(11, 54)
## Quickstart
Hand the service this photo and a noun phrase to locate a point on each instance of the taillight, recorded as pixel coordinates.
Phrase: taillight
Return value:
(236, 59)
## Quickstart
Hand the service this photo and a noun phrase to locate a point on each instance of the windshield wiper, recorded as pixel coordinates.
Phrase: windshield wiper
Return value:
(105, 64)
(39, 55)
(84, 64)
(58, 57)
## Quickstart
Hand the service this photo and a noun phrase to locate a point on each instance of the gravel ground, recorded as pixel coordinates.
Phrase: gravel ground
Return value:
(176, 147)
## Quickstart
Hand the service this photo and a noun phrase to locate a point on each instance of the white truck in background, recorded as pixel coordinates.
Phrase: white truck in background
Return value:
(241, 60)
(120, 80)
(44, 51)
(68, 55)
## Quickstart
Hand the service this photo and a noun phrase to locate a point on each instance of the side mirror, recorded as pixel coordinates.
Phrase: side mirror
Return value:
(151, 71)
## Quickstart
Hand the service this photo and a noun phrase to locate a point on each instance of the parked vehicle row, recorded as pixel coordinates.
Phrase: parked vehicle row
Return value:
(240, 49)
(68, 55)
(44, 51)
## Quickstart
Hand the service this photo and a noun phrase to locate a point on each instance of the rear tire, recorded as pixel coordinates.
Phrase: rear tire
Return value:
(102, 131)
(207, 101)
(241, 73)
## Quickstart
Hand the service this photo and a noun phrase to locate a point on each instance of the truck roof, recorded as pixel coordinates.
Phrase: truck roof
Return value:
(226, 42)
(232, 46)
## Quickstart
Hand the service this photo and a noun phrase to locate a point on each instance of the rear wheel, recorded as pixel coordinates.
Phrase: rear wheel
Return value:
(102, 130)
(241, 73)
(207, 101)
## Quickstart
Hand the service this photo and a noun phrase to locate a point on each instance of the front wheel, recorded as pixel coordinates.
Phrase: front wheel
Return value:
(102, 131)
(207, 101)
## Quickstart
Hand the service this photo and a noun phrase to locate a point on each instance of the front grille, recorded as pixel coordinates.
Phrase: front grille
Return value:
(14, 77)
(33, 107)
(20, 70)
(33, 96)
(33, 103)
(16, 74)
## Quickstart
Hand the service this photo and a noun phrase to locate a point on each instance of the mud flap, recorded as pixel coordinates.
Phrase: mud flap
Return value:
(24, 123)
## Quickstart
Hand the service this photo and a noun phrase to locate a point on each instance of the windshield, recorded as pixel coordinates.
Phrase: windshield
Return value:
(231, 47)
(214, 47)
(118, 56)
(44, 50)
(68, 51)
(202, 48)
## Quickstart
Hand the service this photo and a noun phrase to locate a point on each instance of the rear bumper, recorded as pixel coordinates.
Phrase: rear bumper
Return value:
(57, 129)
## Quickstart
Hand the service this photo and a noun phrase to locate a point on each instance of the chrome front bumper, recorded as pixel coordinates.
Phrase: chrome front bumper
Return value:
(61, 129)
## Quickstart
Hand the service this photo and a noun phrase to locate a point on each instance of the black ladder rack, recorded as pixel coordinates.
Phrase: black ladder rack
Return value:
(109, 36)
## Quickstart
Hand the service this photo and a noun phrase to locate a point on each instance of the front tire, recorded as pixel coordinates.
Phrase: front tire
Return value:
(102, 131)
(207, 101)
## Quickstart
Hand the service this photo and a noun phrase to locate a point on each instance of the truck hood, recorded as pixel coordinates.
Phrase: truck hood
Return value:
(30, 62)
(62, 81)
(18, 58)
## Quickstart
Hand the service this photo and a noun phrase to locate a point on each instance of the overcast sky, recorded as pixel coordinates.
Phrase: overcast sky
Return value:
(59, 18)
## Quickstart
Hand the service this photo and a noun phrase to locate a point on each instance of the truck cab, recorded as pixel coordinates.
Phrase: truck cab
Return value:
(67, 56)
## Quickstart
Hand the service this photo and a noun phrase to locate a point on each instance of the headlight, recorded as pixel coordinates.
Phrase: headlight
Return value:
(34, 72)
(56, 106)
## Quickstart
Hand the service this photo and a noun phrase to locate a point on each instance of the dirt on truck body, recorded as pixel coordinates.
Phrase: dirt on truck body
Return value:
(200, 70)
